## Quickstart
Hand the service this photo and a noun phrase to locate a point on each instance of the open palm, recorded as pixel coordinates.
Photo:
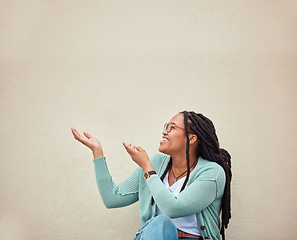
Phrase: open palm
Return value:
(87, 139)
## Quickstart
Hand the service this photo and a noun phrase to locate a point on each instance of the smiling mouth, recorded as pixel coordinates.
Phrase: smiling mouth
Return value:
(164, 139)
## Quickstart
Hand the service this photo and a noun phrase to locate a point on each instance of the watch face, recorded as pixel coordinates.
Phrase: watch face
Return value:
(146, 175)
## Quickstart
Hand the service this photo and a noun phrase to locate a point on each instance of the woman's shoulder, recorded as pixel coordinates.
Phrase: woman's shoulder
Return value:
(209, 170)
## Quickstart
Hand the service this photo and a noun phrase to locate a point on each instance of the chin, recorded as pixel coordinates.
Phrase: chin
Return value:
(162, 149)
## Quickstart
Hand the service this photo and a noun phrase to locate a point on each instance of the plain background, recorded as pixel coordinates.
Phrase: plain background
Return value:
(120, 69)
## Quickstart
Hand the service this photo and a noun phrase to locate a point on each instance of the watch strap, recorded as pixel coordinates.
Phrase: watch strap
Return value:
(147, 175)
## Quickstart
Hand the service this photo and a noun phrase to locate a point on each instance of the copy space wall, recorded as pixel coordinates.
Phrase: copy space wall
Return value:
(119, 70)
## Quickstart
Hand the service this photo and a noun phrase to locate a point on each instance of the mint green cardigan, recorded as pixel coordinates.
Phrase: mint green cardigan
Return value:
(202, 196)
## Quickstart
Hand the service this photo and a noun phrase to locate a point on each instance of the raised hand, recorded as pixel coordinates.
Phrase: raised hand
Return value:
(89, 141)
(139, 156)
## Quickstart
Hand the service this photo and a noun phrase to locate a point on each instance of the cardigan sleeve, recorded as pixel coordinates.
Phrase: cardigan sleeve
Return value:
(193, 199)
(113, 196)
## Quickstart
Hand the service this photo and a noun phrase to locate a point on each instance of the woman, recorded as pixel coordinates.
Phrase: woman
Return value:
(181, 190)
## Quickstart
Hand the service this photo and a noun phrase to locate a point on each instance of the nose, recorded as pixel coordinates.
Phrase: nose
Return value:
(165, 132)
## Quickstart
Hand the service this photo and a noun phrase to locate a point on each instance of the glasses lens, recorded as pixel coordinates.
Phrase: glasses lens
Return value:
(167, 127)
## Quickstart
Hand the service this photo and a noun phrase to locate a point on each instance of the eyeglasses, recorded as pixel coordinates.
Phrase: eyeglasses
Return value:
(169, 126)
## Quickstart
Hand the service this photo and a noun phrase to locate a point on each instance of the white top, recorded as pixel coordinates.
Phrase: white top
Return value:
(186, 224)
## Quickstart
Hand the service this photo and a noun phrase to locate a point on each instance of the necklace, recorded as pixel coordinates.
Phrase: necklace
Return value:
(175, 178)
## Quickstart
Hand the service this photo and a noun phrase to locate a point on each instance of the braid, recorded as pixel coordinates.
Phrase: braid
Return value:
(209, 149)
(187, 153)
(163, 175)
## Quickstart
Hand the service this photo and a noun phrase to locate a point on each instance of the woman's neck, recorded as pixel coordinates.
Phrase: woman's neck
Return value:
(179, 163)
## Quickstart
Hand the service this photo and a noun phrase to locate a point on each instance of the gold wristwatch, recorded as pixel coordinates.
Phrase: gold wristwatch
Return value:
(147, 175)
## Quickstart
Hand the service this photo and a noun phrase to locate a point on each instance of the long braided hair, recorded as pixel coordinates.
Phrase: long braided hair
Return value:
(209, 149)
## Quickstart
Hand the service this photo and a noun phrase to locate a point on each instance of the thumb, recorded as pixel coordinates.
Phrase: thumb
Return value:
(87, 135)
(139, 149)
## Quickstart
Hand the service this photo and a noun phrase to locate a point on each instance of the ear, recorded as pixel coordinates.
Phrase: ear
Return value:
(193, 138)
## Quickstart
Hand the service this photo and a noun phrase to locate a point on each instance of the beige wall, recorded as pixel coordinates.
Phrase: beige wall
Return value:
(120, 69)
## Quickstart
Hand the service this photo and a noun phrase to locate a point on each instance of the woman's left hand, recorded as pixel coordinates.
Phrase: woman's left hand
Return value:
(139, 156)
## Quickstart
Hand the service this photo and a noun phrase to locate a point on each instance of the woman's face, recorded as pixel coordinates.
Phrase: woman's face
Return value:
(175, 141)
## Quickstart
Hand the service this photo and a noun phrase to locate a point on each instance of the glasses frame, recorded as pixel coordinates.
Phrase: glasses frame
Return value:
(168, 127)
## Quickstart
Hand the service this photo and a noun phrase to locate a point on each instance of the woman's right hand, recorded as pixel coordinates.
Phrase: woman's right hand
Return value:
(90, 141)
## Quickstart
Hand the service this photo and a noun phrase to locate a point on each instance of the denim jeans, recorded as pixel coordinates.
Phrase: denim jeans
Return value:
(159, 228)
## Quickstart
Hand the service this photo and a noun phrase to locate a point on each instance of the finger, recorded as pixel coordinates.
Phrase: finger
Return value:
(136, 148)
(75, 133)
(129, 148)
(125, 145)
(132, 147)
(139, 149)
(78, 137)
(87, 135)
(73, 130)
